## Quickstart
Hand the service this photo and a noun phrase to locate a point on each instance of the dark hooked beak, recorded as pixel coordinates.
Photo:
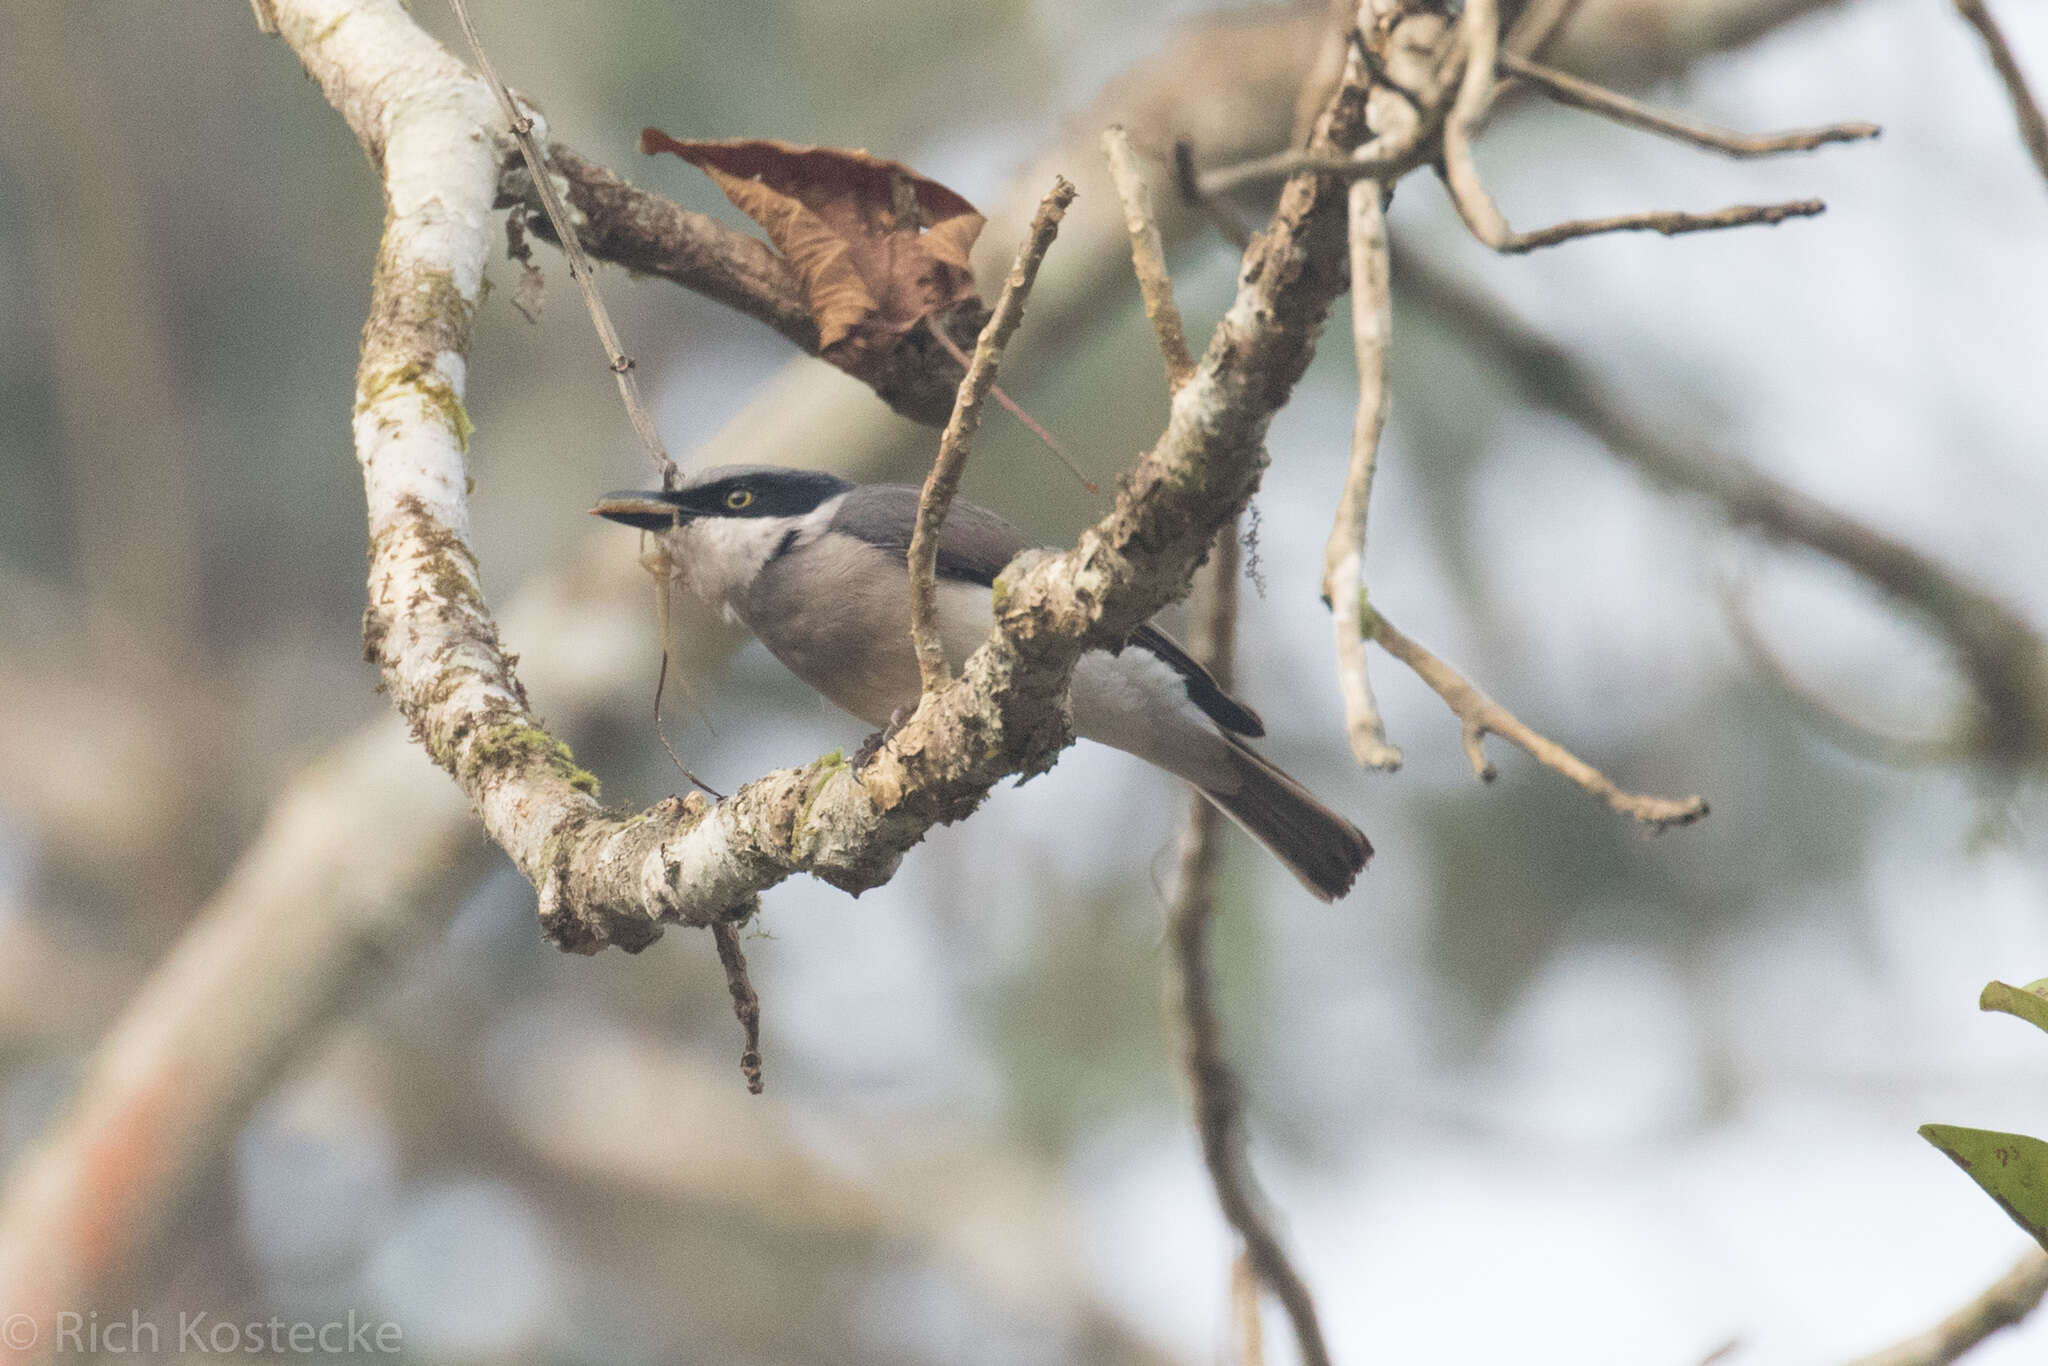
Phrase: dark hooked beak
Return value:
(647, 511)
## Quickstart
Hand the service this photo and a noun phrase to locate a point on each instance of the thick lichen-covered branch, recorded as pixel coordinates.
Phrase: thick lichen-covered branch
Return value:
(432, 129)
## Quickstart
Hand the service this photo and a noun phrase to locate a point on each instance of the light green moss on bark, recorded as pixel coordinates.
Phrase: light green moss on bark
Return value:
(822, 770)
(428, 384)
(517, 745)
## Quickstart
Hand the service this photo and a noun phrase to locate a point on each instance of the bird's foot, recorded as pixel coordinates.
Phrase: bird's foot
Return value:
(873, 744)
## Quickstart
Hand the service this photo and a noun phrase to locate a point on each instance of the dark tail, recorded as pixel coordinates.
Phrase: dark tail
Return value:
(1318, 846)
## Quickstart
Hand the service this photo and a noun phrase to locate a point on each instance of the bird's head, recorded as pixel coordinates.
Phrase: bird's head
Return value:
(736, 492)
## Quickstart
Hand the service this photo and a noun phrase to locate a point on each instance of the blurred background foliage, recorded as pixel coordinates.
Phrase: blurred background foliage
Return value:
(1634, 1096)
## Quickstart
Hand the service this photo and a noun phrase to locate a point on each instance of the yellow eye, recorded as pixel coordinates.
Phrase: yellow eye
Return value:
(738, 499)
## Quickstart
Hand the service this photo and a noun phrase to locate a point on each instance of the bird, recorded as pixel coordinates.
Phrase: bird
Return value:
(816, 567)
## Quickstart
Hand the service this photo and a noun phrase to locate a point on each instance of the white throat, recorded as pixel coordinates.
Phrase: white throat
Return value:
(718, 558)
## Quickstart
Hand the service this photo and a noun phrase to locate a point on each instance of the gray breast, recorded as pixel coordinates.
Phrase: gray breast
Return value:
(836, 612)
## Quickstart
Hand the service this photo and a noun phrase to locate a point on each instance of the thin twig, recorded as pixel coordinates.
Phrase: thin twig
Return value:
(1016, 410)
(2033, 128)
(1480, 716)
(936, 498)
(1280, 165)
(1148, 255)
(266, 16)
(1671, 223)
(745, 1003)
(1481, 27)
(1212, 1082)
(1568, 89)
(521, 124)
(1372, 321)
(2002, 1304)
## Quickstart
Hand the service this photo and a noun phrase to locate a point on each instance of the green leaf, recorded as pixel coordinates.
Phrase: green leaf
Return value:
(2012, 1169)
(2029, 1002)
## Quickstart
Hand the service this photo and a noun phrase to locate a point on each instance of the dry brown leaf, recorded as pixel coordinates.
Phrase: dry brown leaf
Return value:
(878, 247)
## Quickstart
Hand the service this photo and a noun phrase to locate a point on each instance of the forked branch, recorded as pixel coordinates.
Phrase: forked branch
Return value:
(1481, 31)
(1480, 716)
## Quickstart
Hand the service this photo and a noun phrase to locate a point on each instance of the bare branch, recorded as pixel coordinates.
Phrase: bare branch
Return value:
(1280, 166)
(2002, 654)
(1372, 324)
(266, 18)
(1671, 223)
(745, 1004)
(2033, 129)
(2002, 1304)
(936, 498)
(1480, 716)
(360, 861)
(648, 234)
(521, 126)
(1481, 31)
(1213, 1084)
(1583, 94)
(937, 330)
(1148, 256)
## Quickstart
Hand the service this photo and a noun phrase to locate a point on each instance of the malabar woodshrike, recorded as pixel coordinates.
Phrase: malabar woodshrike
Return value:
(815, 567)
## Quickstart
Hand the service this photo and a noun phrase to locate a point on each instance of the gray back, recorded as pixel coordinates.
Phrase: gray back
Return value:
(974, 545)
